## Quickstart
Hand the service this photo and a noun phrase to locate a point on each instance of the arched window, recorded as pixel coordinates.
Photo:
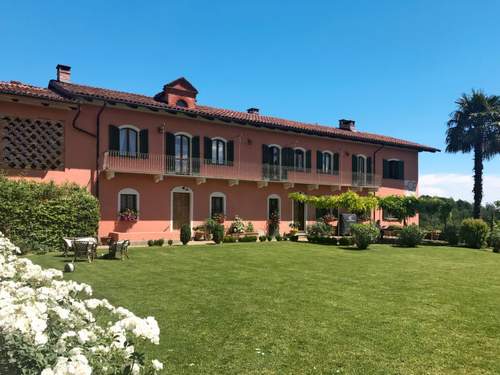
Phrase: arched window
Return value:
(181, 103)
(273, 205)
(327, 162)
(182, 153)
(274, 155)
(300, 163)
(217, 204)
(129, 140)
(218, 151)
(128, 201)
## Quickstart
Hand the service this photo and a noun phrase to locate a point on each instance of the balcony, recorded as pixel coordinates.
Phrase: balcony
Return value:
(160, 165)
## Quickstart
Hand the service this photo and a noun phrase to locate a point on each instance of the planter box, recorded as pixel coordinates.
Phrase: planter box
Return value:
(240, 235)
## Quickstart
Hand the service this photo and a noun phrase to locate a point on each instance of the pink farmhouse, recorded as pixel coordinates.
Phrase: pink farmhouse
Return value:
(157, 162)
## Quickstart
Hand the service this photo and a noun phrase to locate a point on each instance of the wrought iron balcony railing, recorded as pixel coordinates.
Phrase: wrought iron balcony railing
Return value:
(161, 164)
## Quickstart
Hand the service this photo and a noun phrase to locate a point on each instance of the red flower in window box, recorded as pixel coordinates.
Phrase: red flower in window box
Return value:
(128, 215)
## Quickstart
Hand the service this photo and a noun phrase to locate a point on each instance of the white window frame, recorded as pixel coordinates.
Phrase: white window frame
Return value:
(323, 162)
(217, 194)
(303, 158)
(225, 150)
(273, 196)
(181, 189)
(137, 130)
(129, 191)
(279, 148)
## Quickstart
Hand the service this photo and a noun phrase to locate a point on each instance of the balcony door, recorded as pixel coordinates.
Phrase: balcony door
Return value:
(182, 154)
(361, 170)
(274, 162)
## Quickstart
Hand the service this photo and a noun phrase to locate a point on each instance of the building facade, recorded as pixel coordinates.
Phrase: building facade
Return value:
(157, 162)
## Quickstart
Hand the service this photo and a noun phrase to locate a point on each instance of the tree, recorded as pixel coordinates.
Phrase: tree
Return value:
(475, 126)
(402, 207)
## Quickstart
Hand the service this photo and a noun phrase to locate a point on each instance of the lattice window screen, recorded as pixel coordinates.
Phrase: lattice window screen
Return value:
(31, 144)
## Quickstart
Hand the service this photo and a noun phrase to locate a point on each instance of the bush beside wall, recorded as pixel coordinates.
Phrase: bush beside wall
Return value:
(38, 215)
(410, 236)
(364, 235)
(474, 233)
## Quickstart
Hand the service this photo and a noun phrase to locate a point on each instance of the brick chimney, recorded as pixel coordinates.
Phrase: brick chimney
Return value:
(347, 125)
(63, 73)
(253, 110)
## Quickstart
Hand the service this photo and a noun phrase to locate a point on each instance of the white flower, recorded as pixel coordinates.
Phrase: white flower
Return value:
(157, 365)
(47, 371)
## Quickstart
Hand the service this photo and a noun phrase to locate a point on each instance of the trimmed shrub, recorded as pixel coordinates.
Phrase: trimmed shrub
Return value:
(410, 236)
(364, 235)
(278, 237)
(185, 234)
(159, 242)
(218, 233)
(248, 239)
(319, 229)
(262, 238)
(151, 242)
(346, 241)
(269, 238)
(39, 215)
(474, 233)
(451, 234)
(170, 242)
(495, 239)
(229, 239)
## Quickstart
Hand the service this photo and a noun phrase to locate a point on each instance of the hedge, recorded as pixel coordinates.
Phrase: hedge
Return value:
(36, 216)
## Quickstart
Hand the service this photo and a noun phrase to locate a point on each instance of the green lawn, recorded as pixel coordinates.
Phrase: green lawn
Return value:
(292, 308)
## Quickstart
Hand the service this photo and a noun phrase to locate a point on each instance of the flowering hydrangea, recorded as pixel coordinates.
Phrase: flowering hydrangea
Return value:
(50, 326)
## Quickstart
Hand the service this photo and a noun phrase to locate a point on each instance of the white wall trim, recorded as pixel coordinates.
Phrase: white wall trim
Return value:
(273, 196)
(129, 191)
(181, 189)
(217, 194)
(127, 126)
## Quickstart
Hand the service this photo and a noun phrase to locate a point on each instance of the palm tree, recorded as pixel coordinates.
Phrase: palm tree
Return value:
(475, 126)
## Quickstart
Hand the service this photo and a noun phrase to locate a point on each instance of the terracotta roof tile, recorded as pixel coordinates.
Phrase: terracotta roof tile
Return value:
(19, 88)
(60, 90)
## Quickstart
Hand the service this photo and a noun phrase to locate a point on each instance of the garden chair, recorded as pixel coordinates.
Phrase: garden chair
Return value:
(84, 249)
(121, 246)
(67, 245)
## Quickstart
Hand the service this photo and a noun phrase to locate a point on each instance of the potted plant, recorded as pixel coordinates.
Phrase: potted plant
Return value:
(274, 223)
(128, 215)
(219, 218)
(237, 227)
(294, 228)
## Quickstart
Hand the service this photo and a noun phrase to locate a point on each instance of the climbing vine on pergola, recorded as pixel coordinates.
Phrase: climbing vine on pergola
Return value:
(349, 201)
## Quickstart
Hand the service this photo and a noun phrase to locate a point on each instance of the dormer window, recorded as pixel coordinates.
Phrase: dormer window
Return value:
(181, 103)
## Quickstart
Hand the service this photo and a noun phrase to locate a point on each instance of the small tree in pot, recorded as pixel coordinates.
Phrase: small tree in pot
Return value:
(185, 234)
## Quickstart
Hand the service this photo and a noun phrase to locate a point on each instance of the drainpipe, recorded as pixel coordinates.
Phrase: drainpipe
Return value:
(375, 169)
(76, 127)
(98, 127)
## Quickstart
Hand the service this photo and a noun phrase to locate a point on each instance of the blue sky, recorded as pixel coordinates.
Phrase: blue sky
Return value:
(395, 67)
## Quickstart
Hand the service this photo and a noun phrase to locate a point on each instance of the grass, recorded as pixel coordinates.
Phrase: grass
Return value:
(292, 308)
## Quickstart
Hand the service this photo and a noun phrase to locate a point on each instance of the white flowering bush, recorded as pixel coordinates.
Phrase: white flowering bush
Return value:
(50, 326)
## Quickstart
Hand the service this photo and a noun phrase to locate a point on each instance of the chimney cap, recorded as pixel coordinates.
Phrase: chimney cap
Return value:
(347, 124)
(63, 67)
(253, 110)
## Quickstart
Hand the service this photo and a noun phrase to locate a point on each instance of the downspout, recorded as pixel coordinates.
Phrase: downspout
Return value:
(76, 127)
(375, 169)
(98, 127)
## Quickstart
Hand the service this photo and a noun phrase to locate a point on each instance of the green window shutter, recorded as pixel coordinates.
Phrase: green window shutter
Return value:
(170, 144)
(369, 165)
(401, 170)
(386, 169)
(265, 154)
(195, 154)
(114, 138)
(207, 149)
(319, 160)
(287, 157)
(336, 162)
(144, 141)
(230, 152)
(354, 163)
(308, 160)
